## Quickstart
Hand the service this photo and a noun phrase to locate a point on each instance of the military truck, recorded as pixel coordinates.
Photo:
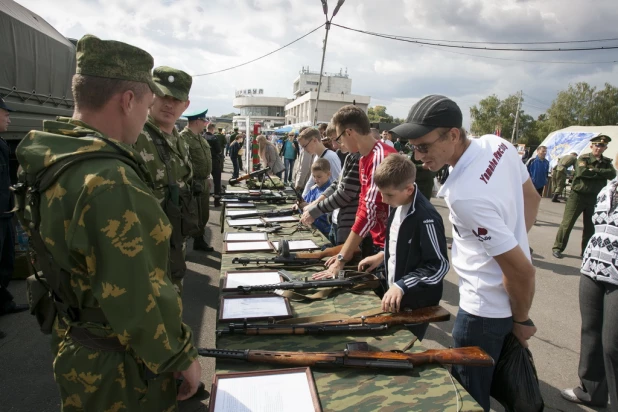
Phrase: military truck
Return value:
(37, 66)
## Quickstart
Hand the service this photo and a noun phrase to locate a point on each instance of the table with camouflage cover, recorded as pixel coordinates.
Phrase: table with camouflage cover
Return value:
(426, 388)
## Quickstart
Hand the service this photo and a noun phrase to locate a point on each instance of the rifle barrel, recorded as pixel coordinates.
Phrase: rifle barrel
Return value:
(300, 329)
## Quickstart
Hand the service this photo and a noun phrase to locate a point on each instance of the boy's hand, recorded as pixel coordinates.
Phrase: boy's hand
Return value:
(370, 263)
(306, 219)
(332, 271)
(392, 299)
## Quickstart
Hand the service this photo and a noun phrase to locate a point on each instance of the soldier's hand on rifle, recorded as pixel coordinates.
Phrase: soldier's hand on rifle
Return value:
(370, 263)
(392, 299)
(306, 219)
(191, 382)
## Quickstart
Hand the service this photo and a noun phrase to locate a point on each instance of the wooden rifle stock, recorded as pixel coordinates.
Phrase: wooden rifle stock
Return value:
(422, 315)
(328, 252)
(351, 358)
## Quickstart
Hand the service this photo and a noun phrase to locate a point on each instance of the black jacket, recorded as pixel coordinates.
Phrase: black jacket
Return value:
(422, 258)
(6, 196)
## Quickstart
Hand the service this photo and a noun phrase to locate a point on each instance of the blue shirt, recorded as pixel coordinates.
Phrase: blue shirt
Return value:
(320, 223)
(538, 169)
(289, 151)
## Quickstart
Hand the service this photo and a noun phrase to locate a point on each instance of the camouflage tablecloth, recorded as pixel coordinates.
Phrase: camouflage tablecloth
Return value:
(427, 388)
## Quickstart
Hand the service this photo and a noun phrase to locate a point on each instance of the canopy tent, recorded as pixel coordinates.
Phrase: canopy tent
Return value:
(577, 139)
(283, 129)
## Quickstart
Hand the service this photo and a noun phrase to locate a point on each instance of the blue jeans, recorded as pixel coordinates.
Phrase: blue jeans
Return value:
(236, 171)
(289, 169)
(332, 236)
(489, 334)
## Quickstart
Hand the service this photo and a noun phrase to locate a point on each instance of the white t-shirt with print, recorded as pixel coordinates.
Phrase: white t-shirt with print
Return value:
(485, 197)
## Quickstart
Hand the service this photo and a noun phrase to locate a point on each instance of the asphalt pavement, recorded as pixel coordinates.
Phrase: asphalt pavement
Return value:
(26, 361)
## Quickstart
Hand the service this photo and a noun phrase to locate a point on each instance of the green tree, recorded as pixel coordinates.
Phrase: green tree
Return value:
(604, 109)
(493, 113)
(573, 106)
(229, 115)
(378, 114)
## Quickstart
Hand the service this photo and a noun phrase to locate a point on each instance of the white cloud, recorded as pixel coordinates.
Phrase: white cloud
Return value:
(201, 37)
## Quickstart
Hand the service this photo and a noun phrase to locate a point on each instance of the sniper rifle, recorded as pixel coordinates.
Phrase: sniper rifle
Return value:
(351, 325)
(357, 355)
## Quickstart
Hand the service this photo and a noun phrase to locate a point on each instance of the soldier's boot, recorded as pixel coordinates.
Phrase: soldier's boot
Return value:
(555, 198)
(217, 201)
(200, 244)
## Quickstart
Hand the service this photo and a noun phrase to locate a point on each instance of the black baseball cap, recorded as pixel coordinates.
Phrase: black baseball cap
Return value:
(428, 114)
(4, 106)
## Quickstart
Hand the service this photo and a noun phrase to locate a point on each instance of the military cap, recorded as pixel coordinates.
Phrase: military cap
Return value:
(601, 139)
(195, 115)
(4, 106)
(173, 82)
(114, 60)
(236, 129)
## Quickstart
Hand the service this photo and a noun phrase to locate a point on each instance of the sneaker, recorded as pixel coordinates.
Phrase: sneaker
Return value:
(569, 395)
(557, 254)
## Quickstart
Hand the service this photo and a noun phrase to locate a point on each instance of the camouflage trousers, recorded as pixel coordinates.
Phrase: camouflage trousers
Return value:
(203, 204)
(558, 181)
(92, 380)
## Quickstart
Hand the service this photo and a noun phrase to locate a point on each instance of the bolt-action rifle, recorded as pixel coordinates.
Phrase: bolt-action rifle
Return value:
(358, 355)
(251, 175)
(265, 213)
(292, 259)
(352, 280)
(350, 325)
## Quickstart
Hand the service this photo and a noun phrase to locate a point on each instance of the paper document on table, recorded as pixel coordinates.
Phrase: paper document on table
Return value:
(233, 280)
(254, 307)
(240, 212)
(239, 205)
(244, 237)
(281, 219)
(264, 393)
(244, 222)
(236, 191)
(299, 245)
(248, 246)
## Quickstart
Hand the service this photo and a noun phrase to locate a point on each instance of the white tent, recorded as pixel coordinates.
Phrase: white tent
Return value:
(576, 139)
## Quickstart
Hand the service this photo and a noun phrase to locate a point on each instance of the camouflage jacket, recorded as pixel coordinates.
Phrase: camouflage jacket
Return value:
(199, 153)
(565, 162)
(178, 150)
(591, 174)
(101, 223)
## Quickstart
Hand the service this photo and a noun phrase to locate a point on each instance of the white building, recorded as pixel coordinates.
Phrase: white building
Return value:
(269, 111)
(335, 92)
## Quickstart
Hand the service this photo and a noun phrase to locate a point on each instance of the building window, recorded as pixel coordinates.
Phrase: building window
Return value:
(275, 111)
(313, 83)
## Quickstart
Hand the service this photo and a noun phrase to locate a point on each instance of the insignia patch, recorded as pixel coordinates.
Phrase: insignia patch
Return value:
(582, 164)
(170, 79)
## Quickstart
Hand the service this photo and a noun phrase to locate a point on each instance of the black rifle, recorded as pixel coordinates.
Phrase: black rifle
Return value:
(257, 173)
(265, 213)
(286, 261)
(362, 324)
(369, 279)
(257, 198)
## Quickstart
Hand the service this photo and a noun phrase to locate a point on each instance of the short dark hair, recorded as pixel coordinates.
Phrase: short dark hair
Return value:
(92, 93)
(541, 147)
(331, 131)
(396, 171)
(210, 126)
(309, 134)
(321, 165)
(322, 127)
(352, 117)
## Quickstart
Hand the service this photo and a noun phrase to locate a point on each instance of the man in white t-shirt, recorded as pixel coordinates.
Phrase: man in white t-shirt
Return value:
(492, 204)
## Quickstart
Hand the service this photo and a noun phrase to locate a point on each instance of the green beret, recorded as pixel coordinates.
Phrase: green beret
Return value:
(601, 139)
(114, 60)
(173, 82)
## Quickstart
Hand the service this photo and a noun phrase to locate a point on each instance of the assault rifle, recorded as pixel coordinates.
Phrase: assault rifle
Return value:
(244, 198)
(265, 213)
(357, 355)
(257, 173)
(351, 281)
(349, 326)
(292, 259)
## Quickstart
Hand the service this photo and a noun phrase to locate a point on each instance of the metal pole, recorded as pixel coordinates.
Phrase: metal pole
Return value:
(248, 147)
(516, 118)
(317, 99)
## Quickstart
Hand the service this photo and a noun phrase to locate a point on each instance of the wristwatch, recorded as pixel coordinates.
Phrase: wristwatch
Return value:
(340, 258)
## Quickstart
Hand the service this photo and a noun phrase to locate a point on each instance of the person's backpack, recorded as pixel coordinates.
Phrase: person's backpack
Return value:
(49, 289)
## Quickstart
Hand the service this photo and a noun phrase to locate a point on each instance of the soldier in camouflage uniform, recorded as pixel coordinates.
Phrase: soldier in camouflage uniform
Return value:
(102, 225)
(559, 174)
(592, 171)
(222, 142)
(201, 160)
(167, 158)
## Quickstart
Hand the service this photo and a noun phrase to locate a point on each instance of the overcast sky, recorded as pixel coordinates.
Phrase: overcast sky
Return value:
(200, 36)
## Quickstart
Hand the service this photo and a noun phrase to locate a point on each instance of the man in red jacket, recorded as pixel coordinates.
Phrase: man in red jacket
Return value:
(354, 133)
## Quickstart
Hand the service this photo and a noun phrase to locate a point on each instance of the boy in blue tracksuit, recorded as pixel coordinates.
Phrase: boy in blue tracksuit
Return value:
(320, 171)
(538, 168)
(415, 252)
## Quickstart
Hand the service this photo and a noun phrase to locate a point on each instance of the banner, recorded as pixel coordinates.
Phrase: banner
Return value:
(563, 143)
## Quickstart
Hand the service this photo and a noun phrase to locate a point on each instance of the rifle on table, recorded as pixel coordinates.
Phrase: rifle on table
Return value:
(257, 173)
(286, 261)
(265, 213)
(257, 198)
(284, 251)
(358, 355)
(368, 280)
(351, 325)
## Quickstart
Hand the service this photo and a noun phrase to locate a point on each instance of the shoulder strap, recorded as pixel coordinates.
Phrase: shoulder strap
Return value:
(164, 154)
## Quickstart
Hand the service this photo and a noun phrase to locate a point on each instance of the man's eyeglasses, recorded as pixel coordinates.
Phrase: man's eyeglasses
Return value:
(339, 137)
(424, 147)
(304, 146)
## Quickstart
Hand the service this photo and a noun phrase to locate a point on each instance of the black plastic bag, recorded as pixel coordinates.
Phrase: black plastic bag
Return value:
(515, 383)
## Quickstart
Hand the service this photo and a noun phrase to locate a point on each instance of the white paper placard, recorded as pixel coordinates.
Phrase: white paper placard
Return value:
(264, 393)
(236, 191)
(262, 192)
(232, 204)
(281, 219)
(239, 212)
(245, 237)
(244, 222)
(248, 246)
(254, 307)
(235, 279)
(299, 244)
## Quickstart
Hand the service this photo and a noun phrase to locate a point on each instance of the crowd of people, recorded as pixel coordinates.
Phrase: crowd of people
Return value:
(145, 191)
